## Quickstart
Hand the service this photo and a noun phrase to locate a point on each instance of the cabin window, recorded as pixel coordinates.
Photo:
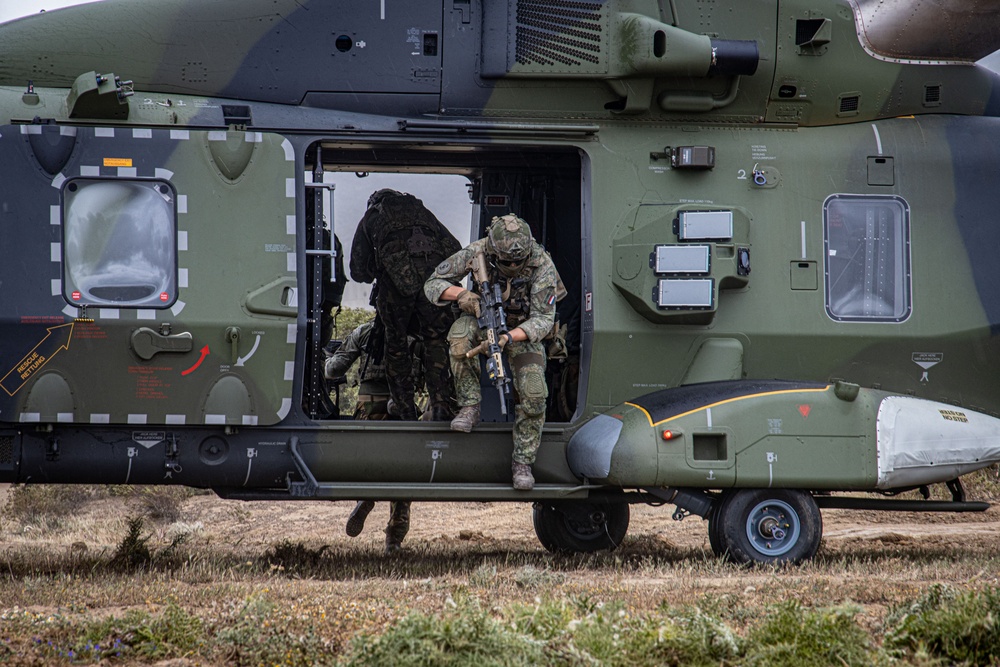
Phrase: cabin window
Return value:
(119, 243)
(867, 244)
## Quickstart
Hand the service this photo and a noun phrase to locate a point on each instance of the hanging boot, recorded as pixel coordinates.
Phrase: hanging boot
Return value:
(356, 522)
(399, 525)
(523, 479)
(466, 419)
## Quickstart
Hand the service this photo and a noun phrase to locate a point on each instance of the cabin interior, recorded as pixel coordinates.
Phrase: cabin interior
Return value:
(544, 186)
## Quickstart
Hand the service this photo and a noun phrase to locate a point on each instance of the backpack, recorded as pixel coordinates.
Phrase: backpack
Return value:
(410, 242)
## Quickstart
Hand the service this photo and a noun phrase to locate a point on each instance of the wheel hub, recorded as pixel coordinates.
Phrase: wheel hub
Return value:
(773, 527)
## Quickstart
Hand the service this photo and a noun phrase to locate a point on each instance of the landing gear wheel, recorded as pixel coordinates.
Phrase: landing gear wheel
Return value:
(768, 526)
(715, 527)
(580, 527)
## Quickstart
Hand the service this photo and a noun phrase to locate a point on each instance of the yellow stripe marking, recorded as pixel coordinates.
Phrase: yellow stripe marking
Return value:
(649, 417)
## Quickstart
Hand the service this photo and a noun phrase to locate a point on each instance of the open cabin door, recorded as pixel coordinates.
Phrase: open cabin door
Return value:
(543, 184)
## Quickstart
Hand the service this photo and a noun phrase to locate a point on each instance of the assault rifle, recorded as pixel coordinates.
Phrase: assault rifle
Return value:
(493, 323)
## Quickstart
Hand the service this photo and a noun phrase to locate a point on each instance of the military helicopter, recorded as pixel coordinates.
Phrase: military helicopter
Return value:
(775, 220)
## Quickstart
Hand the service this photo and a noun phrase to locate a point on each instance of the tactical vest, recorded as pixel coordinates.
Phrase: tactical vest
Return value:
(409, 243)
(517, 293)
(518, 304)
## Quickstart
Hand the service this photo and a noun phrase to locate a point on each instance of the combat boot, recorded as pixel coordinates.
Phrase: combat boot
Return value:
(466, 419)
(392, 547)
(399, 525)
(523, 479)
(356, 522)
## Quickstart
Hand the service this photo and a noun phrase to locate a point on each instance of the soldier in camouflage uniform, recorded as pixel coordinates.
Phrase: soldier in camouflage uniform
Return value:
(373, 401)
(398, 243)
(531, 287)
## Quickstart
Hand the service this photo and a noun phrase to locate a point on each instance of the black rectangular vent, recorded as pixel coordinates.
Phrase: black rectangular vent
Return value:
(558, 32)
(932, 95)
(549, 37)
(849, 104)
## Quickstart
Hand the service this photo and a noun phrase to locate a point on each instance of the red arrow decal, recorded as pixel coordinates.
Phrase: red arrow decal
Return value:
(204, 353)
(804, 410)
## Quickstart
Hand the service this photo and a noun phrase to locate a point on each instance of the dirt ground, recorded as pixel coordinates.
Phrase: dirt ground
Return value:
(259, 525)
(870, 558)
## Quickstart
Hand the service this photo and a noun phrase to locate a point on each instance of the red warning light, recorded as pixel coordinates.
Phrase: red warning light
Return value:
(76, 296)
(164, 296)
(668, 434)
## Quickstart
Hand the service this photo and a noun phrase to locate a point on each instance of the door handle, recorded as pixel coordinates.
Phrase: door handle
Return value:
(148, 343)
(233, 336)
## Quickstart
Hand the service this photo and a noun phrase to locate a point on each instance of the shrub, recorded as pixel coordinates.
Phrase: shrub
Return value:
(794, 636)
(584, 632)
(133, 551)
(259, 633)
(172, 632)
(957, 627)
(464, 635)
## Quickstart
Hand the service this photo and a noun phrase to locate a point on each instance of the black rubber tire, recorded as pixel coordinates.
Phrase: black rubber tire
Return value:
(580, 527)
(765, 526)
(715, 527)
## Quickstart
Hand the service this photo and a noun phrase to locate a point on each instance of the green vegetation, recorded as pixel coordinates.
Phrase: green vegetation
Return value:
(959, 627)
(943, 627)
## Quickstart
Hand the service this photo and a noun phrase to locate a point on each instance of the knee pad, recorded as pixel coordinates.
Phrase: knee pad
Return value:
(533, 406)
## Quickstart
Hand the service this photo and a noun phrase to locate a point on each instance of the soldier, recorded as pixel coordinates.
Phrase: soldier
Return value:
(531, 287)
(398, 243)
(373, 400)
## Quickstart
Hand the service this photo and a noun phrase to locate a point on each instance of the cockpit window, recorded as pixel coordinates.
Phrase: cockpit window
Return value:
(867, 243)
(119, 243)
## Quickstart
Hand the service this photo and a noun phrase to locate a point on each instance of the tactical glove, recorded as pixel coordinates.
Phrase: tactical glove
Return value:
(470, 302)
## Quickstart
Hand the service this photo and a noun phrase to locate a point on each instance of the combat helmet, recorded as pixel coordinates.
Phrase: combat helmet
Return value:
(509, 243)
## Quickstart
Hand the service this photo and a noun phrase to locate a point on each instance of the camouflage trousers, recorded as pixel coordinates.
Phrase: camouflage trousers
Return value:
(527, 361)
(399, 522)
(415, 316)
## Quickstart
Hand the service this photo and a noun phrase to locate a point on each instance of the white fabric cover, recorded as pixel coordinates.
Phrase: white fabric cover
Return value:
(922, 442)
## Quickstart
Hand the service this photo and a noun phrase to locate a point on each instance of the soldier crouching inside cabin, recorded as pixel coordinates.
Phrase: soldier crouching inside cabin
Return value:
(530, 286)
(366, 343)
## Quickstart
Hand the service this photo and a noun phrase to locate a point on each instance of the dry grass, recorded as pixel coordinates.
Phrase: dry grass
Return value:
(289, 564)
